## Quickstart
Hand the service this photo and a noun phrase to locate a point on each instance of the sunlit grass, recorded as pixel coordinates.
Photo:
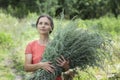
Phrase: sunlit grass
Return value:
(5, 71)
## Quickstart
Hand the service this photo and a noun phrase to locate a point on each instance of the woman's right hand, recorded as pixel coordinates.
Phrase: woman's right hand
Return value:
(47, 66)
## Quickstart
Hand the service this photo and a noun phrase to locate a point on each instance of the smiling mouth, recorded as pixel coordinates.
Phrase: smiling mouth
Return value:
(42, 29)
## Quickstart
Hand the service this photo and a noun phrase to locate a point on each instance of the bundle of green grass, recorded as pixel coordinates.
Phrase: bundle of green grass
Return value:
(81, 47)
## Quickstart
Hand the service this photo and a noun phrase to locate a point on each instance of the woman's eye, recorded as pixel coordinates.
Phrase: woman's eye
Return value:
(46, 24)
(40, 22)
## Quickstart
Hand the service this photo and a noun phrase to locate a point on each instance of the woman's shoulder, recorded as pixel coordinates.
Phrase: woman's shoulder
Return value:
(33, 42)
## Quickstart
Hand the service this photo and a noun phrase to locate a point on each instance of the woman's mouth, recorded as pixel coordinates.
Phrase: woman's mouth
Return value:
(42, 29)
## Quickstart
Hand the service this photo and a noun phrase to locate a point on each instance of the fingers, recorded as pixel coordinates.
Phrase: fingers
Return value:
(67, 61)
(59, 61)
(53, 67)
(62, 62)
(49, 62)
(63, 58)
(48, 67)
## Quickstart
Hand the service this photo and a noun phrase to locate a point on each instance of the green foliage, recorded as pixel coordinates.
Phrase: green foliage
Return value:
(5, 72)
(7, 75)
(109, 25)
(14, 35)
(6, 40)
(17, 62)
(50, 8)
(84, 75)
(85, 9)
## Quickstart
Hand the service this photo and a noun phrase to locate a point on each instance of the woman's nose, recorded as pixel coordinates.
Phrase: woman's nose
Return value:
(43, 25)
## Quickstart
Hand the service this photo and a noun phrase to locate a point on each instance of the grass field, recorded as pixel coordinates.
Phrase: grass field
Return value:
(16, 33)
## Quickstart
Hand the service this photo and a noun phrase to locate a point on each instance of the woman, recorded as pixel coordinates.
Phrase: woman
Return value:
(35, 49)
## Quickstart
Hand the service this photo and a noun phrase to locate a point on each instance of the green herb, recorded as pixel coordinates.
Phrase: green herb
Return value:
(81, 47)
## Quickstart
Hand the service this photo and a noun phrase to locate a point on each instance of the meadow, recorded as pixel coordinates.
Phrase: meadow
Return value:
(16, 33)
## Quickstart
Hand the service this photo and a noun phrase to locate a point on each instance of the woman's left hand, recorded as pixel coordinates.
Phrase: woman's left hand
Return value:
(62, 62)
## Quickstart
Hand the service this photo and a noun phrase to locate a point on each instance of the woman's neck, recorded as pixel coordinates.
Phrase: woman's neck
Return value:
(44, 39)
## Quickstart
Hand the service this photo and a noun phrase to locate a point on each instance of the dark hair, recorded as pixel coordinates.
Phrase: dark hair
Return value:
(50, 18)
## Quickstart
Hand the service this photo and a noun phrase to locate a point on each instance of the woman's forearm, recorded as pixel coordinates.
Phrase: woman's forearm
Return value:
(32, 67)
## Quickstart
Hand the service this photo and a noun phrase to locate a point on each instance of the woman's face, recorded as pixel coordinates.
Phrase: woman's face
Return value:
(44, 25)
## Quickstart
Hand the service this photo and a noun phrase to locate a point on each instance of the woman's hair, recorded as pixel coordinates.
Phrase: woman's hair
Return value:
(50, 19)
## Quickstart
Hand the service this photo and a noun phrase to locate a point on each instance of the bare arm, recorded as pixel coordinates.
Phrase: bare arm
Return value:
(29, 67)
